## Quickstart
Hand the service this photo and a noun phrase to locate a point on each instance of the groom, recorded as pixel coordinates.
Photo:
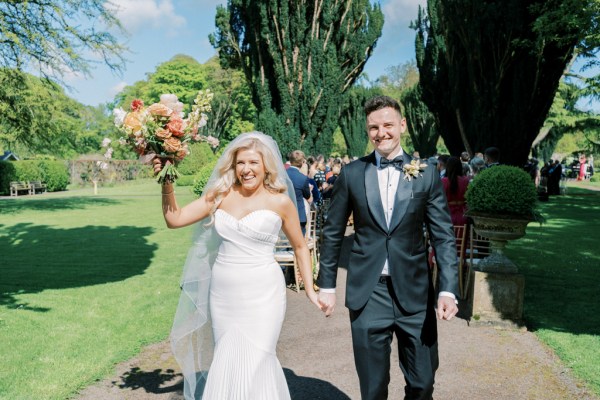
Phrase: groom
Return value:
(389, 288)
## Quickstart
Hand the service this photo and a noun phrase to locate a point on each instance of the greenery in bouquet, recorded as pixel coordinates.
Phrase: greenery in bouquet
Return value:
(162, 130)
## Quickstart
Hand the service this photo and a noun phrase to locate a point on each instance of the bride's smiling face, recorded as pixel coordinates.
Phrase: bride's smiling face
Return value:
(249, 169)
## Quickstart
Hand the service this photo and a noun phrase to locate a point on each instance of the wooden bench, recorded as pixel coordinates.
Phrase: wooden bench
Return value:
(37, 187)
(16, 187)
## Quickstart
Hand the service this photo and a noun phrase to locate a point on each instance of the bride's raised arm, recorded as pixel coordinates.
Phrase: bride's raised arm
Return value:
(178, 217)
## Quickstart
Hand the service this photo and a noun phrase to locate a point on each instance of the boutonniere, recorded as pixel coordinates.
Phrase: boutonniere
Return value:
(413, 170)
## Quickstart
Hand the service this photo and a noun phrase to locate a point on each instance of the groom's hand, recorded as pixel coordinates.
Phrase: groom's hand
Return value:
(446, 308)
(327, 302)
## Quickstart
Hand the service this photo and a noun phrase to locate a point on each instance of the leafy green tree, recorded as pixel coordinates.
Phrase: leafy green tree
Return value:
(398, 79)
(59, 37)
(299, 59)
(489, 70)
(37, 117)
(181, 75)
(564, 118)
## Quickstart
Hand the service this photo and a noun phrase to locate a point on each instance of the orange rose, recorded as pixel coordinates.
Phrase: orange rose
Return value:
(159, 110)
(175, 125)
(172, 145)
(133, 121)
(163, 134)
(182, 153)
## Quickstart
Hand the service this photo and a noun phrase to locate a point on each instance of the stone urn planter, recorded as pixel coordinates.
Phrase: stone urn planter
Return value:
(501, 201)
(499, 229)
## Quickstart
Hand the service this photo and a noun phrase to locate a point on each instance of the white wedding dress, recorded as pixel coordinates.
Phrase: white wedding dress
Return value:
(247, 304)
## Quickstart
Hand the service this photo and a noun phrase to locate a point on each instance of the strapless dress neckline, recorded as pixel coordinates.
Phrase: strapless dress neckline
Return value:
(249, 214)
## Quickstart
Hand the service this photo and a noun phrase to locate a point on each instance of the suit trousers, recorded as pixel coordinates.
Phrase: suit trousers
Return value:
(373, 328)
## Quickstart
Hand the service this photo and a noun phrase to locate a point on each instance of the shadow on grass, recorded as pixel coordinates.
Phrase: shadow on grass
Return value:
(561, 265)
(14, 206)
(38, 257)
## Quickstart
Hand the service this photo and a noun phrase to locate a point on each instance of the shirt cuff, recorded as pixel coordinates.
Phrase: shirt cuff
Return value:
(328, 290)
(448, 294)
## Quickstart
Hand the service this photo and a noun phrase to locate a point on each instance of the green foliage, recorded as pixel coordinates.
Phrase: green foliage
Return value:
(353, 121)
(182, 76)
(339, 148)
(420, 122)
(595, 178)
(37, 117)
(489, 70)
(59, 37)
(502, 189)
(298, 61)
(200, 155)
(185, 180)
(53, 173)
(202, 178)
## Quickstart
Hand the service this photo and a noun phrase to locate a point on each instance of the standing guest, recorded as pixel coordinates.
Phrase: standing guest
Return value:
(582, 167)
(301, 185)
(464, 159)
(455, 187)
(477, 165)
(491, 156)
(389, 288)
(231, 281)
(554, 176)
(441, 164)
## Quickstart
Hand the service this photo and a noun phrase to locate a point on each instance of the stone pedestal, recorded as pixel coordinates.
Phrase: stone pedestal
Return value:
(496, 298)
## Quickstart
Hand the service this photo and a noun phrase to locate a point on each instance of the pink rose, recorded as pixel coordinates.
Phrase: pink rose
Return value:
(175, 125)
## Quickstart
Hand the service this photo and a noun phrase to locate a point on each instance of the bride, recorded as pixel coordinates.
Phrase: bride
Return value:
(232, 287)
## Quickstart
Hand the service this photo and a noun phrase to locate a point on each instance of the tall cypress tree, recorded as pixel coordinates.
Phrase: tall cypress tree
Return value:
(420, 122)
(353, 120)
(299, 58)
(490, 69)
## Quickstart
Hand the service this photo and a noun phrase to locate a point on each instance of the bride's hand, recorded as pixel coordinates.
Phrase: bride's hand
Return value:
(158, 165)
(313, 297)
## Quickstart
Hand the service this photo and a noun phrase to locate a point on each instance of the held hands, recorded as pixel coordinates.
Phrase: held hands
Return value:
(326, 303)
(446, 308)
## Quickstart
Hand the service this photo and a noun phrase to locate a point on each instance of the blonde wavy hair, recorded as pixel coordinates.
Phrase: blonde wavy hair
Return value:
(226, 177)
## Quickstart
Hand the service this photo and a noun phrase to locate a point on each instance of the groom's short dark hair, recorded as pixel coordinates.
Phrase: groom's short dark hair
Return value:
(379, 102)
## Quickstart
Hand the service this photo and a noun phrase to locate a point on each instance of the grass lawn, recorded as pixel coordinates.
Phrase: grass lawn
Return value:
(85, 282)
(561, 264)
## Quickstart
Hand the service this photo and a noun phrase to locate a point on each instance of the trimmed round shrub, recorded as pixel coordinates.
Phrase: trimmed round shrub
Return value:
(502, 189)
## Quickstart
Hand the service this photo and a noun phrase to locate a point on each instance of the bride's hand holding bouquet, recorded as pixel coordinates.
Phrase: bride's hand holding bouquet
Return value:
(162, 131)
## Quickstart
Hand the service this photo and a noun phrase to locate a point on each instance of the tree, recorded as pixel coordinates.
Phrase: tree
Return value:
(37, 117)
(58, 37)
(420, 122)
(232, 108)
(564, 118)
(398, 79)
(490, 70)
(353, 121)
(299, 59)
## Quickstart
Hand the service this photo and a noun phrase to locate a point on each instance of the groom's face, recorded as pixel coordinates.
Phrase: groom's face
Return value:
(384, 127)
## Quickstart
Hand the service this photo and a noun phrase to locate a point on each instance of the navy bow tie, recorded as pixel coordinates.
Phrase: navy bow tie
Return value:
(396, 162)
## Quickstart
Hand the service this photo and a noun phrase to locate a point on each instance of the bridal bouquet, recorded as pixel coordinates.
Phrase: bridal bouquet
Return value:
(163, 130)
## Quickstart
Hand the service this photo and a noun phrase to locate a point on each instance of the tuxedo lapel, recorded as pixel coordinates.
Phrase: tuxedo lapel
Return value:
(403, 196)
(372, 191)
